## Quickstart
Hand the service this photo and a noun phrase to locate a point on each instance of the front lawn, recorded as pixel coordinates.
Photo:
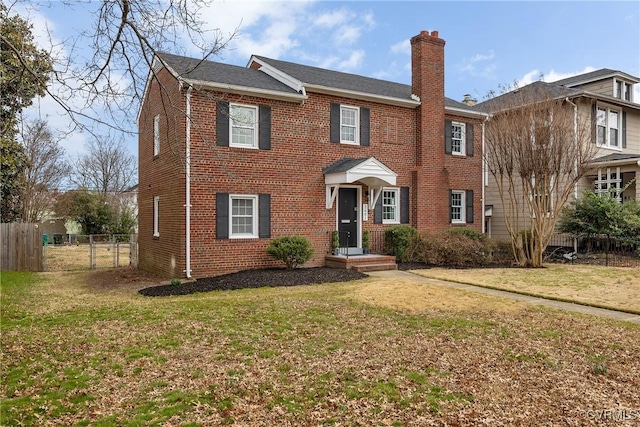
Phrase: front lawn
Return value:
(369, 352)
(611, 287)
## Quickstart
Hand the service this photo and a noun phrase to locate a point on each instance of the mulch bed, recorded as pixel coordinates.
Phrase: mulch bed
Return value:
(256, 279)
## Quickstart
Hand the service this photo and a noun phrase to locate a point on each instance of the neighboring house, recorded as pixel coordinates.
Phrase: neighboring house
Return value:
(605, 97)
(231, 157)
(129, 198)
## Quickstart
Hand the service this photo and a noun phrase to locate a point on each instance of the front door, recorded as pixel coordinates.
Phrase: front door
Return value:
(348, 217)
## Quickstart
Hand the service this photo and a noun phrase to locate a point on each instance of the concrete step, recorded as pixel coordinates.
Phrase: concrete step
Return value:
(362, 268)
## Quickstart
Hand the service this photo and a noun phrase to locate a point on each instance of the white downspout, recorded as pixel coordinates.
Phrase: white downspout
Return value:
(484, 179)
(187, 204)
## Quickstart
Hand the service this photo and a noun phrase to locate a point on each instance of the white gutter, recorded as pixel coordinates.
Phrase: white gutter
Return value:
(575, 132)
(249, 91)
(362, 96)
(484, 178)
(187, 203)
(466, 113)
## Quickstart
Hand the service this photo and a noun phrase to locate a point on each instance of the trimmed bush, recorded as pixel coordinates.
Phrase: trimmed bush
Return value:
(292, 250)
(397, 239)
(469, 232)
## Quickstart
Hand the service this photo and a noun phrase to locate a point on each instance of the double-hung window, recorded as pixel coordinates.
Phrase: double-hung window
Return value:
(349, 125)
(156, 135)
(609, 181)
(458, 138)
(390, 203)
(244, 126)
(457, 204)
(607, 127)
(156, 216)
(243, 216)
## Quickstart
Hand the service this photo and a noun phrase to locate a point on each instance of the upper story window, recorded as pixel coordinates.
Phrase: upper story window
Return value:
(156, 135)
(458, 131)
(622, 90)
(607, 127)
(244, 126)
(349, 124)
(390, 206)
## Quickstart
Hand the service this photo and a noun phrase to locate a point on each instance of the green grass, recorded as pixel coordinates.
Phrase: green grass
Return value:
(72, 357)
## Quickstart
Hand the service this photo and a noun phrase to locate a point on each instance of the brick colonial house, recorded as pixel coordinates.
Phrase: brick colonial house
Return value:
(231, 157)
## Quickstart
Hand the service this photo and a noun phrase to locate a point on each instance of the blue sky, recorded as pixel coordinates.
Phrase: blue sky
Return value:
(488, 44)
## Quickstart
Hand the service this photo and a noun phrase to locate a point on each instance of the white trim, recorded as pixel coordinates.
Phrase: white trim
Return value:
(362, 96)
(281, 76)
(331, 194)
(255, 144)
(397, 196)
(463, 138)
(187, 189)
(254, 218)
(463, 206)
(156, 216)
(247, 90)
(356, 125)
(465, 113)
(156, 135)
(607, 128)
(371, 172)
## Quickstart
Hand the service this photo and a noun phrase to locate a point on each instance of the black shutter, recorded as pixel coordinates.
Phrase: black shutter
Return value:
(404, 205)
(264, 215)
(222, 215)
(447, 136)
(377, 213)
(624, 129)
(335, 123)
(450, 208)
(469, 139)
(469, 202)
(264, 128)
(364, 126)
(222, 124)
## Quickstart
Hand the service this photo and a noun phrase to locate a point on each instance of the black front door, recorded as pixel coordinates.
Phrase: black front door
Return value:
(348, 217)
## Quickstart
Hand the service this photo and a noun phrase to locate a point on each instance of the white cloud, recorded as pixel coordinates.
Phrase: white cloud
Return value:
(352, 62)
(403, 47)
(479, 65)
(331, 19)
(348, 35)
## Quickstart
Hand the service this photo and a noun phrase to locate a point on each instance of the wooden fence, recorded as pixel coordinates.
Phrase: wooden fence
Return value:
(21, 247)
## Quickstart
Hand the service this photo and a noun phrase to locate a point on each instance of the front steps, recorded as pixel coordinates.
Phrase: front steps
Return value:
(361, 263)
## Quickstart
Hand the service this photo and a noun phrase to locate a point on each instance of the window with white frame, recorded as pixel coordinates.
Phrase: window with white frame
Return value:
(390, 198)
(156, 216)
(244, 126)
(458, 131)
(607, 127)
(349, 125)
(457, 204)
(156, 135)
(622, 90)
(243, 216)
(609, 181)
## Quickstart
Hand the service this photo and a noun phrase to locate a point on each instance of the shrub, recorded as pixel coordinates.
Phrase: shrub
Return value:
(397, 239)
(469, 232)
(292, 250)
(176, 282)
(455, 249)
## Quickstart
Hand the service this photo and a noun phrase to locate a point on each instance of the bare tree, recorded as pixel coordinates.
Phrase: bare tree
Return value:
(105, 87)
(106, 168)
(538, 146)
(46, 168)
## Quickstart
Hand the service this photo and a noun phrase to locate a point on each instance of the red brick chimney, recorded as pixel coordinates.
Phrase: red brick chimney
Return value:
(427, 82)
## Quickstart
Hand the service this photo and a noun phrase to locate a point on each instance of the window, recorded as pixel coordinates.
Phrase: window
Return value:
(243, 216)
(622, 90)
(349, 124)
(156, 135)
(458, 138)
(609, 181)
(457, 207)
(156, 216)
(390, 206)
(607, 127)
(244, 126)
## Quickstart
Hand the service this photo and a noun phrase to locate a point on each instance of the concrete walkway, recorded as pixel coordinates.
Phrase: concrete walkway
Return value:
(579, 308)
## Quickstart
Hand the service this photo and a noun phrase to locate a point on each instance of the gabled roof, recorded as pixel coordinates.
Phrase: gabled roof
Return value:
(593, 76)
(368, 170)
(319, 79)
(224, 76)
(530, 93)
